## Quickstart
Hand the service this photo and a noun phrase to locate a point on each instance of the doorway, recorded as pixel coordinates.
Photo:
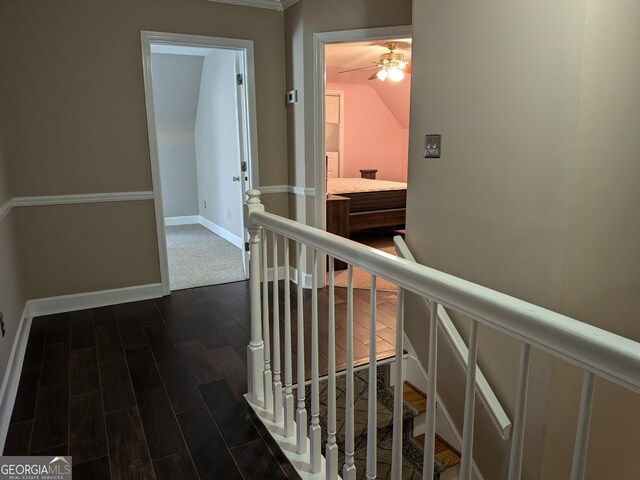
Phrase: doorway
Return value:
(200, 100)
(362, 90)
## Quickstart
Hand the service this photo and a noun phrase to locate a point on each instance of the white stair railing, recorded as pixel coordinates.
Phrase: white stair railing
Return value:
(596, 351)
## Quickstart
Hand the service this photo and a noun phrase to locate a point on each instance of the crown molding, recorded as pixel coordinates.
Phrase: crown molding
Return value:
(279, 5)
(287, 3)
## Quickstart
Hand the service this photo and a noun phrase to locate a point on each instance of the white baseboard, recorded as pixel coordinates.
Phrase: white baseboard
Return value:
(280, 274)
(218, 230)
(293, 275)
(81, 301)
(11, 379)
(186, 220)
(306, 277)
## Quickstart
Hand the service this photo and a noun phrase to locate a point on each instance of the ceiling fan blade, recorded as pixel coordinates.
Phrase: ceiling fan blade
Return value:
(374, 76)
(356, 69)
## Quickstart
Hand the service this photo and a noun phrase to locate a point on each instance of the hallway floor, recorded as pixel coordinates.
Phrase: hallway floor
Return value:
(153, 389)
(149, 389)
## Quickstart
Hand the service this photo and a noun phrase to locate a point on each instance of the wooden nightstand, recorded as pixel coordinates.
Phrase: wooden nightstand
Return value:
(371, 173)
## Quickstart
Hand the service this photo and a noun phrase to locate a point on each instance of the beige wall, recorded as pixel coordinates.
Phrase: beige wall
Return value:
(12, 295)
(602, 260)
(524, 202)
(51, 243)
(74, 122)
(5, 185)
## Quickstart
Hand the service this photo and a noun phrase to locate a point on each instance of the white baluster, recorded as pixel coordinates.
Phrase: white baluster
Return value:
(301, 412)
(289, 424)
(517, 439)
(349, 469)
(579, 463)
(277, 383)
(255, 349)
(268, 385)
(398, 397)
(331, 452)
(372, 421)
(432, 378)
(315, 429)
(469, 405)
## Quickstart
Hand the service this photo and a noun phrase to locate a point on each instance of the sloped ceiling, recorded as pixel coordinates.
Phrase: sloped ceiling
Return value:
(176, 89)
(347, 56)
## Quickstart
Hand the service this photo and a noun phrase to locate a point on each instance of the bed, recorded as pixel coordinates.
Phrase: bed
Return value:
(359, 203)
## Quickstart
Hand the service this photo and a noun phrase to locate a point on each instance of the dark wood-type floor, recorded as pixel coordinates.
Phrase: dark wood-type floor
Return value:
(146, 389)
(153, 389)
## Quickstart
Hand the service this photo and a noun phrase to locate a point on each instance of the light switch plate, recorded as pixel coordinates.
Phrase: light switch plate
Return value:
(432, 146)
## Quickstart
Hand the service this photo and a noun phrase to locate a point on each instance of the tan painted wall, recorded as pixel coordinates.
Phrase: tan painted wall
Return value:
(524, 202)
(5, 185)
(74, 122)
(54, 238)
(602, 260)
(12, 296)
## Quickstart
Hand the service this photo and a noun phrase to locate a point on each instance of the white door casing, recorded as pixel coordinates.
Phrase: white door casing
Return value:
(247, 122)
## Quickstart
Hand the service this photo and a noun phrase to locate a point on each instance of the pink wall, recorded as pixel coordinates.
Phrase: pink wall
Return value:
(373, 138)
(376, 123)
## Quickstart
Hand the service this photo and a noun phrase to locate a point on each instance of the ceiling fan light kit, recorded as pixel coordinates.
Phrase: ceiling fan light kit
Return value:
(392, 65)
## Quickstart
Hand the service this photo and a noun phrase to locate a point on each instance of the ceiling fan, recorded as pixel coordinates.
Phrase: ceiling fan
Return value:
(392, 65)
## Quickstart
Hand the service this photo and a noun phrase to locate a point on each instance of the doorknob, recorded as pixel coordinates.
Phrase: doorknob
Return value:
(236, 179)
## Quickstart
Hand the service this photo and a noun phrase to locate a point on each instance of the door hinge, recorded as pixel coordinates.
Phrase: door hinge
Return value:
(243, 166)
(246, 246)
(240, 79)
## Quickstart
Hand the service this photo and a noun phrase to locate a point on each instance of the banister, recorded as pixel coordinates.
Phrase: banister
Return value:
(604, 353)
(487, 396)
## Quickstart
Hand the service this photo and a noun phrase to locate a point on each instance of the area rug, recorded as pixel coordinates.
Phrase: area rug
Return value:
(199, 257)
(412, 456)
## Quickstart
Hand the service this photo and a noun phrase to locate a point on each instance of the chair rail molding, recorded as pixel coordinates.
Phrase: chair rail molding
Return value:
(44, 200)
(300, 191)
(82, 198)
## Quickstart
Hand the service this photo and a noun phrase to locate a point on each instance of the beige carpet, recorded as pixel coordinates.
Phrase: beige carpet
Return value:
(361, 278)
(199, 257)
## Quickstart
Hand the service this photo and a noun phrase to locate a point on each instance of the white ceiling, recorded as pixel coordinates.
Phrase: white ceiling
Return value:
(345, 56)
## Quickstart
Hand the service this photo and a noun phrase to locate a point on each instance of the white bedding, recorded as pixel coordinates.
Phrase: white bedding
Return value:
(336, 186)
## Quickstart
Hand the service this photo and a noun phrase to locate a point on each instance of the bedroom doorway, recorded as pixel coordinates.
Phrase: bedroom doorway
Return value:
(362, 129)
(199, 180)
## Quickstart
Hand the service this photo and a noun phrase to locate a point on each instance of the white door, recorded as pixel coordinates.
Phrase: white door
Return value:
(244, 168)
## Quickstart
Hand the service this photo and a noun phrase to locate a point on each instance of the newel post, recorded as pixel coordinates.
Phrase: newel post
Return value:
(255, 349)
